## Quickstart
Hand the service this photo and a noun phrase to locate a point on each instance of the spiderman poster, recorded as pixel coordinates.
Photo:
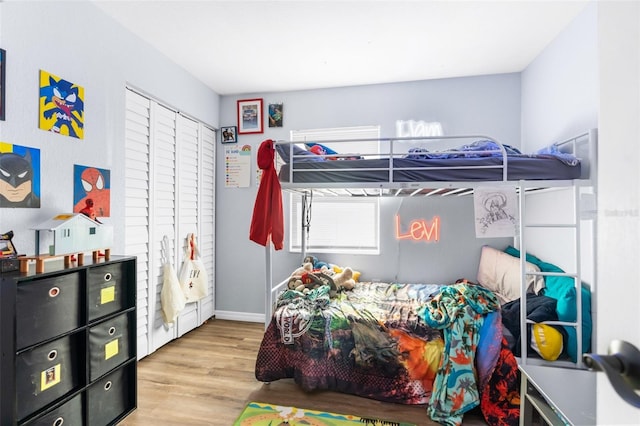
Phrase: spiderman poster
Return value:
(91, 191)
(61, 106)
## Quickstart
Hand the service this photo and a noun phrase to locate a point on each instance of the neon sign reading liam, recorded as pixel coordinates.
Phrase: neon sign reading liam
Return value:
(420, 230)
(406, 128)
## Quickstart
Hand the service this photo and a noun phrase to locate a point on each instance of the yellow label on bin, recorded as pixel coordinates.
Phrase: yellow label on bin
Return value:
(50, 377)
(111, 349)
(107, 294)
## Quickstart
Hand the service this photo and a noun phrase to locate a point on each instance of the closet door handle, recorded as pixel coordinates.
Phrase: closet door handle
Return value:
(622, 367)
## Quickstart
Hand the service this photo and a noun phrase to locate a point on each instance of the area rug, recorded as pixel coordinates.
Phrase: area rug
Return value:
(261, 414)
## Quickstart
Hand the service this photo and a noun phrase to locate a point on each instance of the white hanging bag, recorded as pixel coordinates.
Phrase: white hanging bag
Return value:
(171, 296)
(193, 277)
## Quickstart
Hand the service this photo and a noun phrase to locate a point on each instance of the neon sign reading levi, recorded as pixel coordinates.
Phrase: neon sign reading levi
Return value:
(420, 229)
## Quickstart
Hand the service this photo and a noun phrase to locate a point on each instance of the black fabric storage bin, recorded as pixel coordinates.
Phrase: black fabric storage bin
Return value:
(106, 293)
(109, 345)
(48, 372)
(47, 308)
(111, 397)
(68, 414)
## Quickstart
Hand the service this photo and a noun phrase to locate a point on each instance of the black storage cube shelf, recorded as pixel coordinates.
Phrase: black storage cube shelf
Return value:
(68, 344)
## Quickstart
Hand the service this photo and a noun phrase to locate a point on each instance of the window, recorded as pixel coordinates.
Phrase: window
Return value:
(337, 224)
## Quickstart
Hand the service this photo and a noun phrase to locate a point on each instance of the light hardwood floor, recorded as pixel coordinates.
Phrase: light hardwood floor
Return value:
(207, 376)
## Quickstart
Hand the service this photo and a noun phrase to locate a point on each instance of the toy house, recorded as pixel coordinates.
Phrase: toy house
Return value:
(73, 233)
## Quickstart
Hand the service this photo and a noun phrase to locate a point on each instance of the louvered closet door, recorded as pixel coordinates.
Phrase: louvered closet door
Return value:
(187, 197)
(137, 164)
(196, 214)
(169, 191)
(150, 209)
(163, 212)
(206, 200)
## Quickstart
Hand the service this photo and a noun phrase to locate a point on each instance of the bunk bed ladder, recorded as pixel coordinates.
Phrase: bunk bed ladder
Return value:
(524, 322)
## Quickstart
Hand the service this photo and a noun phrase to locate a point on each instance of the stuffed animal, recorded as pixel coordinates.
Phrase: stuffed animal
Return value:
(317, 264)
(344, 280)
(355, 274)
(295, 279)
(305, 278)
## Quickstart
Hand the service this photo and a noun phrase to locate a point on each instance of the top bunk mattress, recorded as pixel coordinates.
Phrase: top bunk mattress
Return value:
(405, 170)
(482, 160)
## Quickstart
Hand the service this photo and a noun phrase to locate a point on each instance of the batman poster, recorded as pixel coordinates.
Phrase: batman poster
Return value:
(19, 176)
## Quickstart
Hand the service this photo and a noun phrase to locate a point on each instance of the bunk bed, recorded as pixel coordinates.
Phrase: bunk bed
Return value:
(320, 337)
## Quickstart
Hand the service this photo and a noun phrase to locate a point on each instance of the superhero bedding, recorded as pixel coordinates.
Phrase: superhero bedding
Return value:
(441, 346)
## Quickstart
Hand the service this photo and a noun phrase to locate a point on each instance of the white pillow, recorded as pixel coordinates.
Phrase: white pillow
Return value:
(500, 273)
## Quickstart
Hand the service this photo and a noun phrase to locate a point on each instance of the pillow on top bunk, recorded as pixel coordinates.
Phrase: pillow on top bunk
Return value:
(562, 289)
(326, 149)
(500, 273)
(284, 153)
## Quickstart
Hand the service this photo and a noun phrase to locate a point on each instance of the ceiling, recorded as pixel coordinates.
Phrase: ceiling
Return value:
(238, 47)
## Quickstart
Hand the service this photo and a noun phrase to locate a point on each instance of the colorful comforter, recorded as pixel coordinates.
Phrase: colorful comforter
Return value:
(376, 341)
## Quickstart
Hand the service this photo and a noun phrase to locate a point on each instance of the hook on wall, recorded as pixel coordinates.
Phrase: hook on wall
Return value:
(622, 367)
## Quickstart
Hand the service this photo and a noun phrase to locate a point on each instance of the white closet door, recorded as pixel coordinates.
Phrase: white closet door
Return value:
(207, 217)
(187, 199)
(150, 209)
(170, 184)
(137, 163)
(162, 212)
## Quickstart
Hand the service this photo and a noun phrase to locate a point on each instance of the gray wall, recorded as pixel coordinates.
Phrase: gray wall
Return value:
(93, 51)
(484, 104)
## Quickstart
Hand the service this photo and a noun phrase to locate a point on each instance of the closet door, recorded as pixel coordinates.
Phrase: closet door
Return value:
(136, 234)
(207, 216)
(187, 198)
(162, 213)
(195, 200)
(169, 191)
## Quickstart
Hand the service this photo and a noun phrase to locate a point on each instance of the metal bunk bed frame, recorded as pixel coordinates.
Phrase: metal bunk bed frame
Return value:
(584, 145)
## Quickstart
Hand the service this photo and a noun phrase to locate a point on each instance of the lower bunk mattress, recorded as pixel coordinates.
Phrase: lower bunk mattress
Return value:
(441, 346)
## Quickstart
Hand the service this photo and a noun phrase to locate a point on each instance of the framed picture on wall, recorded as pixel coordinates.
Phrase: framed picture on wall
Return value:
(228, 134)
(250, 116)
(275, 115)
(3, 68)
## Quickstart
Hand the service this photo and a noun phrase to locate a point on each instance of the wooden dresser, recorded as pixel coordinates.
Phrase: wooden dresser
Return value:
(68, 341)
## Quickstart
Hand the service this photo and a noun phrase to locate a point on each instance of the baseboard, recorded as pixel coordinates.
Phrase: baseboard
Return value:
(239, 316)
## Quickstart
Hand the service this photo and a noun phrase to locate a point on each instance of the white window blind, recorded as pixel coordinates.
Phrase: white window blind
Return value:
(337, 224)
(338, 133)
